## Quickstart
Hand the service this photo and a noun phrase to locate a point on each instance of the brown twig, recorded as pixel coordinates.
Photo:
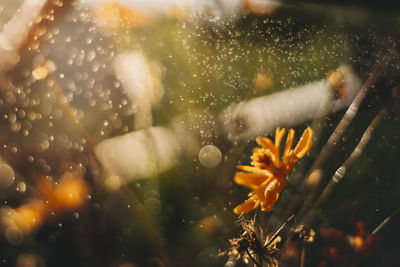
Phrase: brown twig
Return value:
(340, 172)
(350, 113)
(303, 255)
(384, 222)
(252, 259)
(316, 170)
(231, 262)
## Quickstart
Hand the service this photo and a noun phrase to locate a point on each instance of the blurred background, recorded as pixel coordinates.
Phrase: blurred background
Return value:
(122, 122)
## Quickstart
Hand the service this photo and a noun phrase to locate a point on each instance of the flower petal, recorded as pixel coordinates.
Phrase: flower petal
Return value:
(289, 163)
(264, 158)
(305, 143)
(252, 169)
(268, 206)
(252, 180)
(267, 175)
(278, 137)
(288, 146)
(266, 143)
(246, 206)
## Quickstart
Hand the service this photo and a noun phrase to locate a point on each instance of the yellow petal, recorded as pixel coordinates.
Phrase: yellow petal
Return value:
(254, 170)
(266, 143)
(288, 146)
(277, 185)
(289, 163)
(278, 137)
(305, 143)
(270, 188)
(252, 180)
(270, 149)
(268, 206)
(267, 176)
(259, 194)
(264, 158)
(268, 181)
(246, 207)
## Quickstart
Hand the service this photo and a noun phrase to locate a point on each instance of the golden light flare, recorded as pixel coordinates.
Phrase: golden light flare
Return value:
(29, 216)
(260, 7)
(336, 79)
(178, 11)
(264, 80)
(112, 16)
(41, 72)
(69, 193)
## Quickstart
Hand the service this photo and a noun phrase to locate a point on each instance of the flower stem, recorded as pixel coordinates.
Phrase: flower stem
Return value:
(316, 171)
(340, 172)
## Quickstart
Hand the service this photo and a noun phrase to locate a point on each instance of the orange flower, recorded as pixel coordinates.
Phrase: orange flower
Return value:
(267, 175)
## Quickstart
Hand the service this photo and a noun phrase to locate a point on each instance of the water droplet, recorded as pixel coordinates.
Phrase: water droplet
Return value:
(7, 175)
(21, 187)
(210, 156)
(14, 235)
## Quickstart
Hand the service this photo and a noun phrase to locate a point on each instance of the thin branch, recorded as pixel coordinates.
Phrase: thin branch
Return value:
(340, 172)
(316, 171)
(365, 138)
(252, 259)
(303, 255)
(350, 113)
(231, 261)
(278, 231)
(385, 221)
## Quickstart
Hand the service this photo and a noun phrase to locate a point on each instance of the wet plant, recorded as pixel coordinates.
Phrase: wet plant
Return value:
(303, 234)
(121, 129)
